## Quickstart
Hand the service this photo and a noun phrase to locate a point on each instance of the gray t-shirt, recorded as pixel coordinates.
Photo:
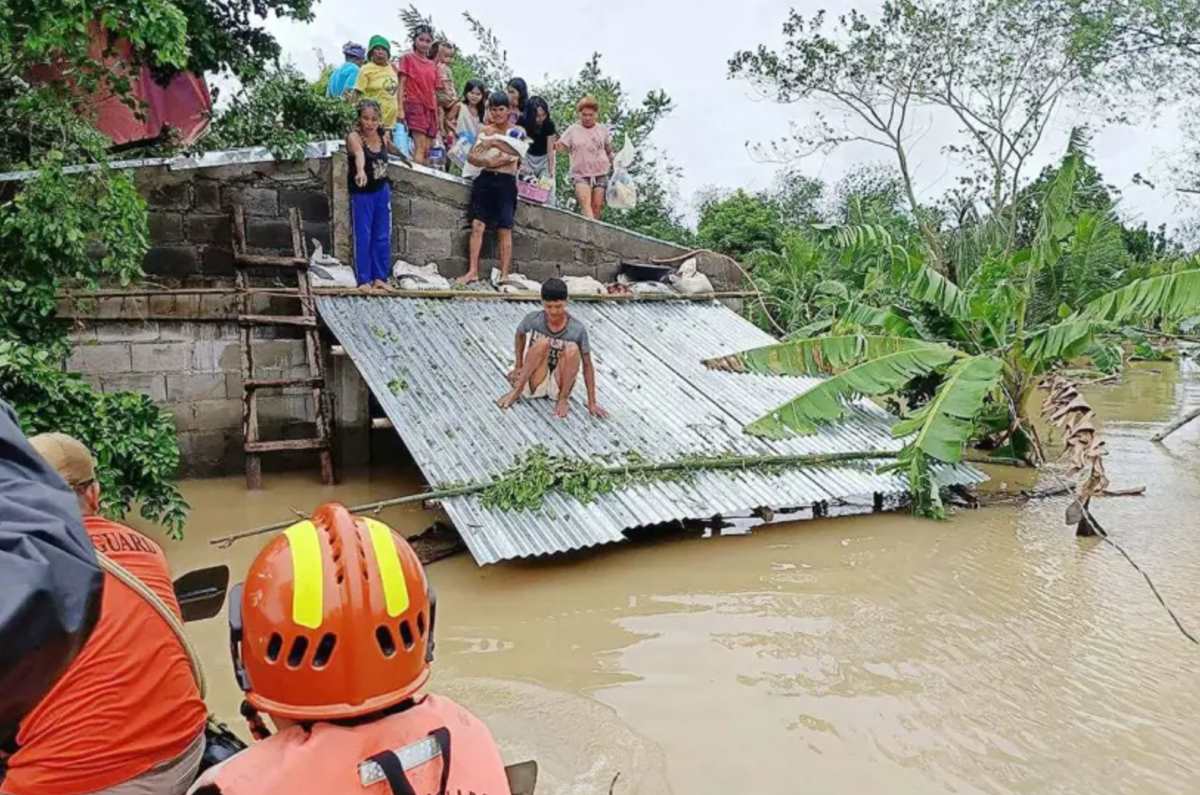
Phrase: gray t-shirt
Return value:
(534, 324)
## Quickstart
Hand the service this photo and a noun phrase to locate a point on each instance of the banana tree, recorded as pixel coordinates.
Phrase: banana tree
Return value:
(988, 352)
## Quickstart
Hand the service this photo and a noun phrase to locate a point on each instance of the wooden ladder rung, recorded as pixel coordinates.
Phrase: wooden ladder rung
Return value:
(268, 261)
(286, 444)
(276, 383)
(277, 320)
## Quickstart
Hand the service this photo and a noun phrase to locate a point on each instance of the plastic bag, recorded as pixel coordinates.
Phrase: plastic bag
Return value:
(401, 139)
(462, 147)
(622, 193)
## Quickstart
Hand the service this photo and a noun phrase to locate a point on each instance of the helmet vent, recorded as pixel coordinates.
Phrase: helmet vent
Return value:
(406, 635)
(387, 644)
(421, 624)
(324, 650)
(274, 646)
(298, 650)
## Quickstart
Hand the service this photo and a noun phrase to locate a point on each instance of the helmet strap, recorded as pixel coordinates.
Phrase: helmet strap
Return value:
(258, 729)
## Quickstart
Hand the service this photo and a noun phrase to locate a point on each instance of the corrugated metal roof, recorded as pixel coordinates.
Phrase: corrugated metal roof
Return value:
(452, 356)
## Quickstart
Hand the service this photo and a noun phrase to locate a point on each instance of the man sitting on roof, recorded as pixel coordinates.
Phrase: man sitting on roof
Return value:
(559, 344)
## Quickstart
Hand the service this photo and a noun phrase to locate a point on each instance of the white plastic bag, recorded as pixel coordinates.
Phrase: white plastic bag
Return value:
(622, 193)
(462, 147)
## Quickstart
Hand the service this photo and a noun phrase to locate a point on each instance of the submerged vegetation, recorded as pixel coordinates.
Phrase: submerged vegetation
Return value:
(526, 483)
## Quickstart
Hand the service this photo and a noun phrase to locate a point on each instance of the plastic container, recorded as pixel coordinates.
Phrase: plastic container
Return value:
(436, 157)
(530, 191)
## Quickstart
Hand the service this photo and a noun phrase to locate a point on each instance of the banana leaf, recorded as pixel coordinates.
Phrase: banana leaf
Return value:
(883, 373)
(943, 426)
(1173, 297)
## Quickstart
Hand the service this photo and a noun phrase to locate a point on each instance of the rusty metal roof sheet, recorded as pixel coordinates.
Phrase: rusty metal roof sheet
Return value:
(436, 366)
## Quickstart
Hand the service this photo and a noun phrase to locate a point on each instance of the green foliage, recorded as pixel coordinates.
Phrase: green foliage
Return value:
(524, 486)
(1170, 297)
(739, 224)
(943, 426)
(132, 439)
(960, 358)
(281, 110)
(885, 365)
(227, 35)
(80, 227)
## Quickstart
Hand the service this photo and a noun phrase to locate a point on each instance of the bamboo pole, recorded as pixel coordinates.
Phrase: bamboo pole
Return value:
(731, 462)
(1176, 425)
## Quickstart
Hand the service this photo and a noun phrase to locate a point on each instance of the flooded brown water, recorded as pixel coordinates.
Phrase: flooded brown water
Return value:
(991, 653)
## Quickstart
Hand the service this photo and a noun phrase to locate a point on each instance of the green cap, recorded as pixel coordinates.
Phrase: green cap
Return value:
(379, 41)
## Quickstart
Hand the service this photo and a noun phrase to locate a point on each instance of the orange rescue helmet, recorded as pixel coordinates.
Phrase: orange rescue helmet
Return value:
(335, 620)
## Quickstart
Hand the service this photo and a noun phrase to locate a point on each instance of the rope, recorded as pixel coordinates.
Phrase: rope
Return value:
(1103, 534)
(153, 599)
(1104, 537)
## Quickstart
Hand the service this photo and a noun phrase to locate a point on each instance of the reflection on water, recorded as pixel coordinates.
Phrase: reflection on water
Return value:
(991, 653)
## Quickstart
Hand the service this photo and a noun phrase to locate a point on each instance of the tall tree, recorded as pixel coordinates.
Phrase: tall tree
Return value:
(996, 71)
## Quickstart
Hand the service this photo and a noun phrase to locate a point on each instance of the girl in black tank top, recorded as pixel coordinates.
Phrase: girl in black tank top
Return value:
(374, 145)
(370, 197)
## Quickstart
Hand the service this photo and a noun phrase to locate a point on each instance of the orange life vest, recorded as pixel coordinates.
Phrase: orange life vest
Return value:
(440, 747)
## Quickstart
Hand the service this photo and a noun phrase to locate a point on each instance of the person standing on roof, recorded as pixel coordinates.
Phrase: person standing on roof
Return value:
(377, 80)
(551, 346)
(332, 637)
(589, 144)
(126, 717)
(497, 156)
(343, 78)
(370, 196)
(417, 94)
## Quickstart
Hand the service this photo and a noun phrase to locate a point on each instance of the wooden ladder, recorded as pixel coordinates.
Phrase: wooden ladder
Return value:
(248, 321)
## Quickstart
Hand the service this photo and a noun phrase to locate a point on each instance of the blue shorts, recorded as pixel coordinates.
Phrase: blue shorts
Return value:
(494, 199)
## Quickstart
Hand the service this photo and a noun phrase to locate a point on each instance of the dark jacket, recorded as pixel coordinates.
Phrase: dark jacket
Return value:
(50, 584)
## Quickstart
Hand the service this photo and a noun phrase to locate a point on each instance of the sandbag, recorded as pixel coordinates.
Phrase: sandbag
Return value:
(689, 280)
(583, 285)
(414, 277)
(325, 270)
(514, 283)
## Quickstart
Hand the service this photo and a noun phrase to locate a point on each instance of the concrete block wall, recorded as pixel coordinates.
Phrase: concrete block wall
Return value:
(429, 218)
(193, 369)
(191, 228)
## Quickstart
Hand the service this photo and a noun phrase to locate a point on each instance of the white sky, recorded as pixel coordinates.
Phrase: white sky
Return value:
(683, 48)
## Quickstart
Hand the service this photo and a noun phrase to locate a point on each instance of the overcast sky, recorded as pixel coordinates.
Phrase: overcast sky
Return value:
(683, 48)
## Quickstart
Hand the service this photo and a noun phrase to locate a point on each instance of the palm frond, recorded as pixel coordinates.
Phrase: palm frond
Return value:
(827, 401)
(813, 355)
(943, 426)
(1171, 297)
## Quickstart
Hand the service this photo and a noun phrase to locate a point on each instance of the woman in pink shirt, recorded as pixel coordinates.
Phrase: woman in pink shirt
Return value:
(416, 97)
(589, 145)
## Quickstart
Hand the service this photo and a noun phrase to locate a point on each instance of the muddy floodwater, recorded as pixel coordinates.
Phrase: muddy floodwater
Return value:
(992, 653)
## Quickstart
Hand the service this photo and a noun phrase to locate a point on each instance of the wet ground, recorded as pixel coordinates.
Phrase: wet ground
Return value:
(991, 653)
